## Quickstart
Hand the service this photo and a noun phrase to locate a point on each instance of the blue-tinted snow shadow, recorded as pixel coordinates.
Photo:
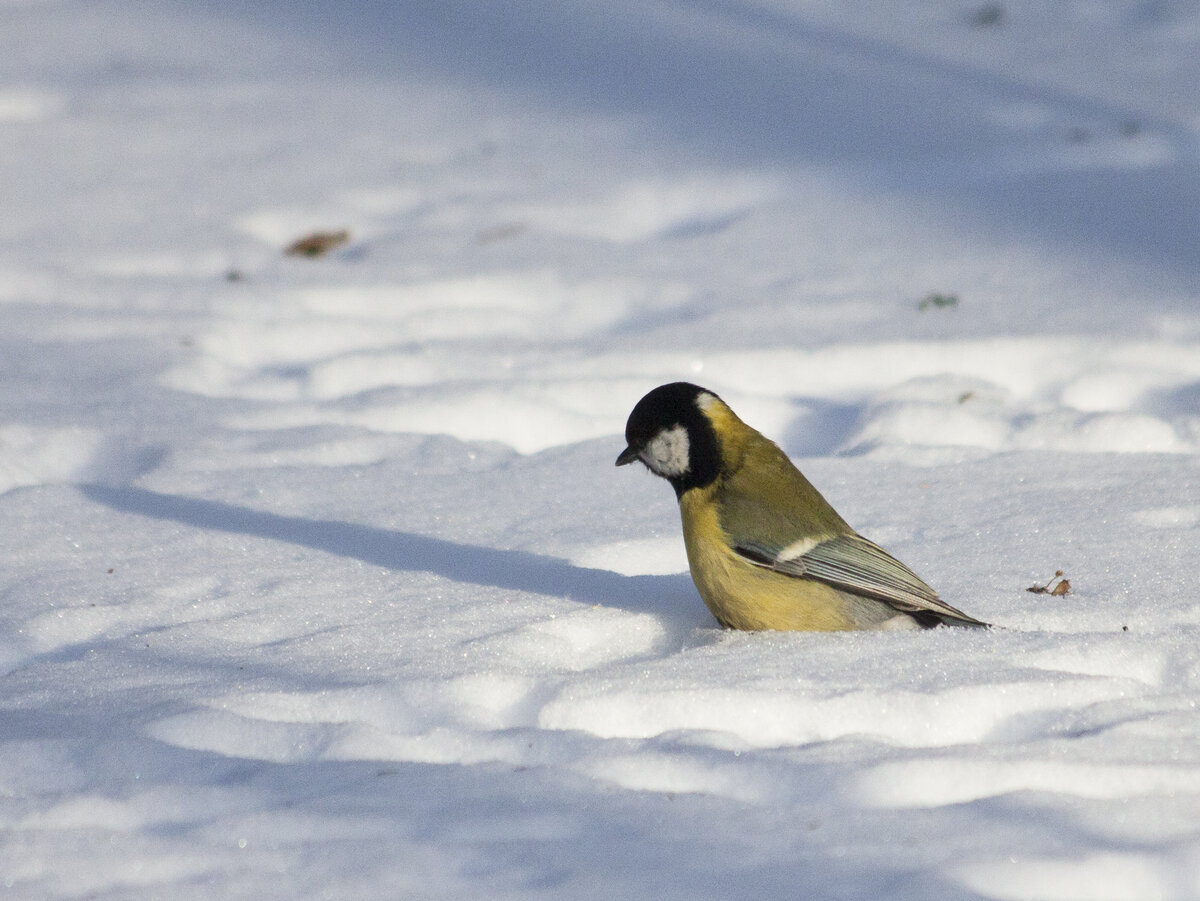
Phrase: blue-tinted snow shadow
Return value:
(489, 830)
(1172, 402)
(822, 427)
(672, 596)
(746, 86)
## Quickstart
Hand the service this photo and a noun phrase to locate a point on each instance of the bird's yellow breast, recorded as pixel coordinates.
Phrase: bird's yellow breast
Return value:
(744, 596)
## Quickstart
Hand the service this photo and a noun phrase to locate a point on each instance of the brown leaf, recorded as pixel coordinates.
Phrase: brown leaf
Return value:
(317, 244)
(1062, 587)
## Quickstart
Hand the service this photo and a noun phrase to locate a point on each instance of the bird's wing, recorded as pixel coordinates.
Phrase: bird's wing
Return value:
(768, 501)
(854, 564)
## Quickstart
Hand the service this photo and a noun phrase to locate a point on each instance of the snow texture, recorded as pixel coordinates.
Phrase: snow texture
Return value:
(320, 581)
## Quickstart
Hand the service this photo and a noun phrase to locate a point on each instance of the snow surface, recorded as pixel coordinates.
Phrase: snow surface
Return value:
(320, 581)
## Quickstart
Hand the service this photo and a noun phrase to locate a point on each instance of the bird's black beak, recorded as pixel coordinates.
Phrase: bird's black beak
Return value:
(627, 456)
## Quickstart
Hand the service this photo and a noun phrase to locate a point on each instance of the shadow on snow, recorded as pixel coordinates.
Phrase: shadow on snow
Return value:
(495, 567)
(747, 86)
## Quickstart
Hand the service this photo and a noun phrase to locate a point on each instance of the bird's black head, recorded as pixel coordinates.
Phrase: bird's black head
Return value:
(670, 432)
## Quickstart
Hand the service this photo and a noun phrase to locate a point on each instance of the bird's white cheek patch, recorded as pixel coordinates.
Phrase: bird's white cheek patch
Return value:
(667, 452)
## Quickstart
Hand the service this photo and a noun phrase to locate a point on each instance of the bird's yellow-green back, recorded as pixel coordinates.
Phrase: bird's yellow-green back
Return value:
(762, 497)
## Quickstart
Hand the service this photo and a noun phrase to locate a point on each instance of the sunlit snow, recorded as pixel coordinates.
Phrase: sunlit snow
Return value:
(320, 581)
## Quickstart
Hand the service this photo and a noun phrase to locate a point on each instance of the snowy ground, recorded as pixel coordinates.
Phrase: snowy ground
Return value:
(320, 581)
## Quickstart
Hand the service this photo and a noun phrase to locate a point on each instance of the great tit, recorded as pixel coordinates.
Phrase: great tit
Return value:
(766, 551)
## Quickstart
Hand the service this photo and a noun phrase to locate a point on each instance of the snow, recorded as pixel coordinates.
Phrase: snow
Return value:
(321, 582)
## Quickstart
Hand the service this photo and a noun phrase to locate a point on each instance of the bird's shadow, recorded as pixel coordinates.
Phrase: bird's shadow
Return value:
(669, 596)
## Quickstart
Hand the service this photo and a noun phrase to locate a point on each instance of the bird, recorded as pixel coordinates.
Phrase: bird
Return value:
(765, 549)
